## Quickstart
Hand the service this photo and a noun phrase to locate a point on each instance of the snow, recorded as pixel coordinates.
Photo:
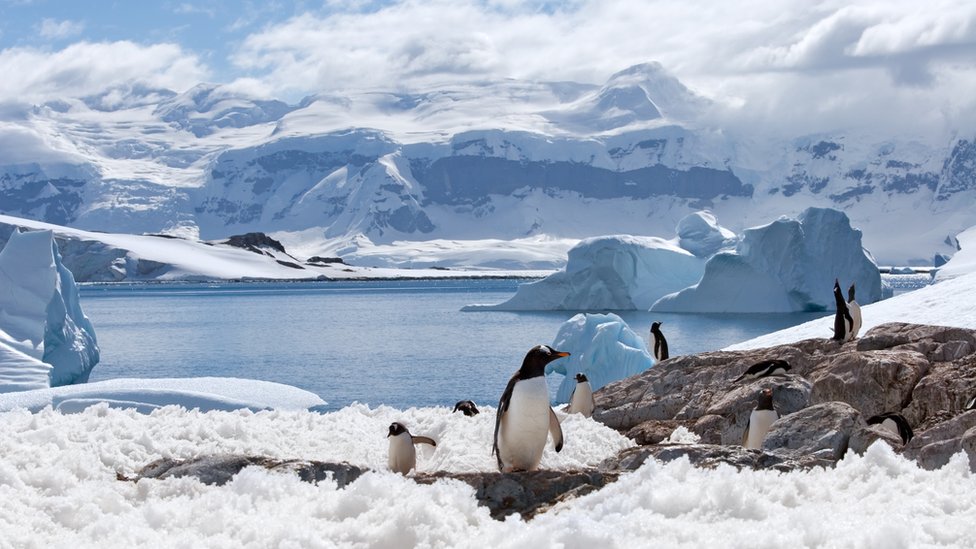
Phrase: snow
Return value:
(40, 317)
(601, 346)
(963, 261)
(68, 493)
(618, 272)
(788, 265)
(947, 303)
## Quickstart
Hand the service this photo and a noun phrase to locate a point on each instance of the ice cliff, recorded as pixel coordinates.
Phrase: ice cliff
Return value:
(786, 266)
(45, 338)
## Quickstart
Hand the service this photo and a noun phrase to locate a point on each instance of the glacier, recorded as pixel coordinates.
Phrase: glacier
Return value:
(45, 338)
(788, 265)
(602, 346)
(963, 261)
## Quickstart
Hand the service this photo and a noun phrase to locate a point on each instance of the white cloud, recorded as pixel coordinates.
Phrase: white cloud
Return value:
(805, 62)
(54, 29)
(87, 68)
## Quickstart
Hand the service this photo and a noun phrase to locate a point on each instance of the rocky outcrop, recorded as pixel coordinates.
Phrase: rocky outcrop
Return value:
(925, 373)
(504, 494)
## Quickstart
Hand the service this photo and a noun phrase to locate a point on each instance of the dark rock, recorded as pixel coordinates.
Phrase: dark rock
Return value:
(823, 430)
(712, 455)
(219, 469)
(254, 242)
(326, 260)
(655, 430)
(933, 447)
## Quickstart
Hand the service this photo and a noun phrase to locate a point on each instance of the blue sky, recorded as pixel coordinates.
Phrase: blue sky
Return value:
(788, 62)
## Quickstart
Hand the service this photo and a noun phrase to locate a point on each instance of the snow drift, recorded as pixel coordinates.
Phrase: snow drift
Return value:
(786, 266)
(601, 346)
(45, 338)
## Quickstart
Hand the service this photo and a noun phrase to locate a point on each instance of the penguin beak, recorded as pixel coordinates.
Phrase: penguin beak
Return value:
(560, 354)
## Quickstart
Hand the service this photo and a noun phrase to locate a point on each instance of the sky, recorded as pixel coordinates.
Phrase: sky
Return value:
(788, 62)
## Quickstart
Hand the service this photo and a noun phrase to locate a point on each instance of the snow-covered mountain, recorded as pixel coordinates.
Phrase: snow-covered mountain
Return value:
(492, 160)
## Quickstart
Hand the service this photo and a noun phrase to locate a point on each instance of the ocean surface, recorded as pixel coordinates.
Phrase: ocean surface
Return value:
(398, 343)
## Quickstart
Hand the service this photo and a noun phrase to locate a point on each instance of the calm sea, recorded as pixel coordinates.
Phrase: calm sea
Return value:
(400, 343)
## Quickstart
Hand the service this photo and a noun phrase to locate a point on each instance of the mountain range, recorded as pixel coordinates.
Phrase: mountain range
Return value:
(486, 160)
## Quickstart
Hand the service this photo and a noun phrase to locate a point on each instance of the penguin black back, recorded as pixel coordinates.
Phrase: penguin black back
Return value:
(842, 318)
(660, 349)
(466, 407)
(904, 429)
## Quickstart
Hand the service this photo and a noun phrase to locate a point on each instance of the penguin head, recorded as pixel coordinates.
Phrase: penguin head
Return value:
(765, 400)
(396, 429)
(466, 407)
(534, 363)
(581, 378)
(656, 326)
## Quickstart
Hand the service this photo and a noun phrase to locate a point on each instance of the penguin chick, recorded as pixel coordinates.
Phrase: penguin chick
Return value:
(759, 420)
(581, 401)
(466, 407)
(402, 456)
(524, 415)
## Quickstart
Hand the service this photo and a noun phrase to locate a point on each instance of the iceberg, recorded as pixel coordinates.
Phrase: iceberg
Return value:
(700, 234)
(786, 266)
(602, 273)
(602, 347)
(45, 338)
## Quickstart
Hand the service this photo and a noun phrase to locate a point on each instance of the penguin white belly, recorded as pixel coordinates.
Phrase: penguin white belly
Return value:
(759, 422)
(525, 425)
(582, 402)
(855, 311)
(403, 456)
(654, 350)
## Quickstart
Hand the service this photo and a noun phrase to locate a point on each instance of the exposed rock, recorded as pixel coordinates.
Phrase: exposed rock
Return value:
(712, 455)
(925, 373)
(933, 448)
(254, 242)
(504, 494)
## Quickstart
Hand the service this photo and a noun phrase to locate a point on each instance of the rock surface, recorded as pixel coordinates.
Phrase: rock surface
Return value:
(926, 373)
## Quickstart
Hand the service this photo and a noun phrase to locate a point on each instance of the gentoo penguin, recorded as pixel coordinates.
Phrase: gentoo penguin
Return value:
(855, 311)
(842, 318)
(524, 415)
(971, 405)
(774, 367)
(896, 423)
(759, 420)
(581, 401)
(466, 407)
(659, 345)
(402, 455)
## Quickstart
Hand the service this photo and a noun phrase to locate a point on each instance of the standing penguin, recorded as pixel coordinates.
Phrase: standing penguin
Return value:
(855, 311)
(581, 401)
(842, 318)
(403, 457)
(659, 345)
(524, 415)
(759, 420)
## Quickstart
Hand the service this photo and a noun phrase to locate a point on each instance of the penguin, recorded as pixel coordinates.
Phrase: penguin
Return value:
(524, 415)
(855, 311)
(774, 367)
(896, 423)
(466, 407)
(759, 420)
(581, 401)
(971, 405)
(842, 318)
(403, 457)
(659, 345)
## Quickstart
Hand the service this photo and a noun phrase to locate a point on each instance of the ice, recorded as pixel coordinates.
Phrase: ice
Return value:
(963, 261)
(786, 266)
(601, 346)
(40, 317)
(618, 272)
(700, 234)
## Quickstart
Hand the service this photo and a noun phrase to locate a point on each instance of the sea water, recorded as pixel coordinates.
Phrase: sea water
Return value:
(398, 343)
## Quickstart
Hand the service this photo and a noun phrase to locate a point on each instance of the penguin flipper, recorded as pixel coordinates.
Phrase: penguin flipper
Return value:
(423, 440)
(502, 409)
(592, 400)
(745, 434)
(555, 430)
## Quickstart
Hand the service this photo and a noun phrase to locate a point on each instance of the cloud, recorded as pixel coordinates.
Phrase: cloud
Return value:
(56, 30)
(790, 64)
(88, 68)
(187, 8)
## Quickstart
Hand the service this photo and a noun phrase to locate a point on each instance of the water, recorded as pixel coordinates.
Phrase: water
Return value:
(400, 343)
